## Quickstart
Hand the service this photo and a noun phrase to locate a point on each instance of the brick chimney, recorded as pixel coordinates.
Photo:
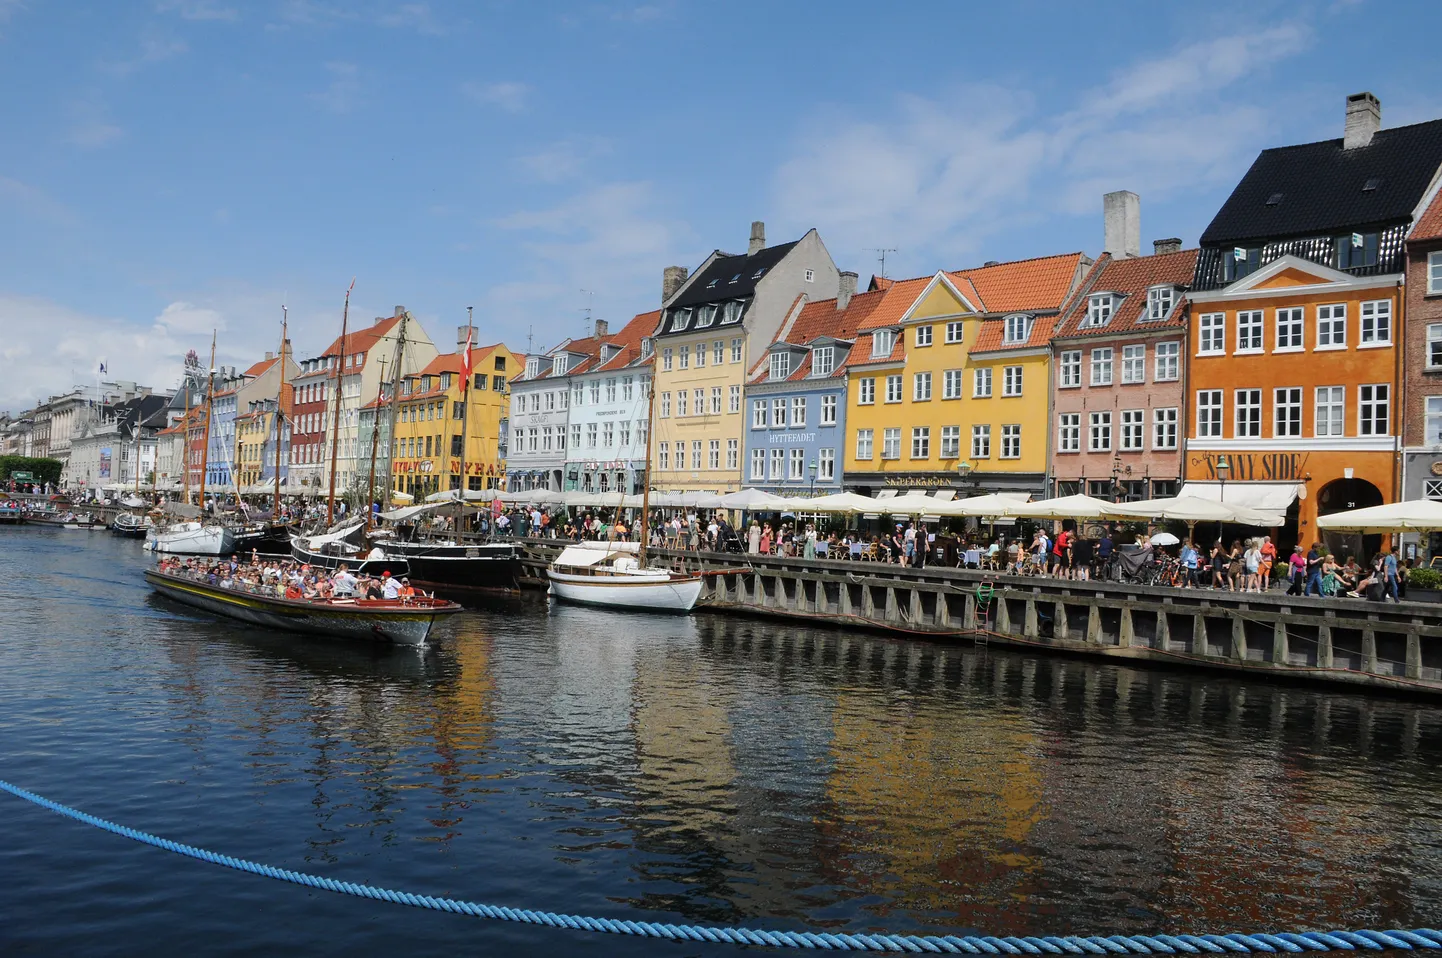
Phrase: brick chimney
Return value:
(1364, 119)
(603, 329)
(1122, 224)
(1170, 245)
(845, 289)
(758, 238)
(672, 279)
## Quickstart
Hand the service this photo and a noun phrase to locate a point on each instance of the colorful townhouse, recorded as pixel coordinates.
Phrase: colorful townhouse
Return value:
(949, 381)
(540, 410)
(1118, 405)
(1422, 363)
(432, 412)
(715, 325)
(259, 451)
(1294, 355)
(609, 408)
(795, 400)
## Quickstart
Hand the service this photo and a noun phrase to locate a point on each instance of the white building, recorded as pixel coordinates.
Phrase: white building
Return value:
(608, 423)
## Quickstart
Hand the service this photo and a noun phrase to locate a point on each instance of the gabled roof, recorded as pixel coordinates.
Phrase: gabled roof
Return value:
(1041, 284)
(821, 320)
(361, 341)
(1320, 188)
(897, 298)
(446, 363)
(628, 340)
(734, 276)
(259, 368)
(1429, 224)
(1132, 278)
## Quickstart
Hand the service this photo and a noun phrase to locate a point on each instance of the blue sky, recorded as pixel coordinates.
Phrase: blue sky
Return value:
(168, 167)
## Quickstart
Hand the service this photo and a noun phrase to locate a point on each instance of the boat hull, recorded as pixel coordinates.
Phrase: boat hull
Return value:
(653, 594)
(360, 566)
(402, 626)
(194, 539)
(461, 572)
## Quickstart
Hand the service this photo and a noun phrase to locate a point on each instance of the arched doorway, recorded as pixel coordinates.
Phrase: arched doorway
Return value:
(1344, 495)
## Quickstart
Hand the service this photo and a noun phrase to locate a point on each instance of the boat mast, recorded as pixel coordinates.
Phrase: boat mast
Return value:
(185, 445)
(465, 419)
(279, 391)
(395, 400)
(375, 442)
(205, 435)
(335, 416)
(646, 486)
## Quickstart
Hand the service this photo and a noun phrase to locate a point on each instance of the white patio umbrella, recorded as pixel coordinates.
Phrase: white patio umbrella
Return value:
(1063, 507)
(1193, 509)
(450, 495)
(995, 505)
(840, 502)
(1164, 539)
(1414, 515)
(757, 500)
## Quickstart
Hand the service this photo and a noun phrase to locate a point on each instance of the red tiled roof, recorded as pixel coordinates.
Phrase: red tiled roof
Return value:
(590, 346)
(361, 340)
(822, 318)
(259, 368)
(989, 337)
(1131, 278)
(629, 339)
(1429, 224)
(899, 297)
(880, 282)
(1038, 284)
(447, 363)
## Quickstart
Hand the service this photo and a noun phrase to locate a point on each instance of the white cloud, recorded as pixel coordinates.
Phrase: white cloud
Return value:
(343, 93)
(412, 16)
(939, 176)
(563, 160)
(34, 202)
(198, 10)
(508, 95)
(155, 47)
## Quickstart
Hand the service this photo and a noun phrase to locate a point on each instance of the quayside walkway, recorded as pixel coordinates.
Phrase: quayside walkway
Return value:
(1392, 646)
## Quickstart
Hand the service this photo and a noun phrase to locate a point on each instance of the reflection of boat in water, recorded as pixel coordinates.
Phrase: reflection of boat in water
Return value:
(402, 621)
(131, 526)
(328, 550)
(608, 574)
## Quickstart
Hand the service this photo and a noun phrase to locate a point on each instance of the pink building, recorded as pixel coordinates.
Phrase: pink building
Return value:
(1118, 378)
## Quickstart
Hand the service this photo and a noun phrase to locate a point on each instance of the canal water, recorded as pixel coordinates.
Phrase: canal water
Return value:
(704, 769)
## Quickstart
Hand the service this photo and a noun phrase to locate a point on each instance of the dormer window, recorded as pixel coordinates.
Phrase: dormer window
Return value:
(1160, 300)
(1016, 329)
(780, 365)
(425, 384)
(881, 342)
(732, 312)
(445, 381)
(823, 360)
(707, 316)
(533, 368)
(680, 319)
(1099, 309)
(648, 346)
(1240, 261)
(560, 364)
(1357, 249)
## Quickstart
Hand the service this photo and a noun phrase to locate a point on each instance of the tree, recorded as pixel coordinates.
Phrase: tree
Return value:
(42, 470)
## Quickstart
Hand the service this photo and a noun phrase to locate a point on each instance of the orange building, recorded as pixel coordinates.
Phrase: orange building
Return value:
(1294, 360)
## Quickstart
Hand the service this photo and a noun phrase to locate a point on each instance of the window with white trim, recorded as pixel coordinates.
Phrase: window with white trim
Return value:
(733, 453)
(683, 403)
(826, 465)
(981, 442)
(713, 454)
(1212, 334)
(811, 276)
(778, 464)
(981, 382)
(716, 400)
(1011, 441)
(778, 414)
(1102, 366)
(700, 354)
(891, 442)
(863, 443)
(921, 442)
(1011, 380)
(920, 387)
(951, 384)
(798, 411)
(1016, 329)
(1249, 331)
(1331, 411)
(1374, 404)
(1101, 432)
(695, 454)
(576, 436)
(1168, 362)
(1377, 322)
(950, 442)
(1434, 273)
(893, 388)
(823, 360)
(828, 410)
(1290, 325)
(1209, 413)
(1099, 309)
(1248, 413)
(736, 350)
(955, 331)
(663, 453)
(1434, 346)
(881, 343)
(758, 464)
(1134, 363)
(1160, 300)
(665, 405)
(608, 434)
(1070, 368)
(866, 391)
(735, 399)
(780, 365)
(591, 435)
(718, 353)
(1068, 432)
(1133, 428)
(684, 357)
(1432, 425)
(1332, 326)
(1164, 427)
(922, 337)
(1286, 411)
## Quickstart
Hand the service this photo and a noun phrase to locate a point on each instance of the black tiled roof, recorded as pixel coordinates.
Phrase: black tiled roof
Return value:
(1321, 187)
(724, 269)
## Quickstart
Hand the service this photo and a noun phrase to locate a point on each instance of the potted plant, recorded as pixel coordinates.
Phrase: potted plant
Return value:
(1424, 585)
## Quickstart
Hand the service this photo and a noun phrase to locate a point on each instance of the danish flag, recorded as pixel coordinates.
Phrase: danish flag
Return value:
(466, 360)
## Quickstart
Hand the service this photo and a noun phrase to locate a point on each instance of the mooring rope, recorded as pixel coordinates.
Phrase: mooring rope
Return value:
(1294, 942)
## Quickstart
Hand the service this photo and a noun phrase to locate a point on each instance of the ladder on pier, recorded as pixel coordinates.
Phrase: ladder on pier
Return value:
(985, 595)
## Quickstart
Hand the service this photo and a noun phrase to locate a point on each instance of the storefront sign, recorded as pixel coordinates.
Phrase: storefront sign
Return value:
(1436, 468)
(787, 437)
(1253, 467)
(934, 482)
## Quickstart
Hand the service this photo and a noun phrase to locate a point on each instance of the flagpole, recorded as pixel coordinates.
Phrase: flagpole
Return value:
(465, 419)
(335, 416)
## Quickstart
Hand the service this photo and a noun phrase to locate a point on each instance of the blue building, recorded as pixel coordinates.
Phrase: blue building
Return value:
(795, 404)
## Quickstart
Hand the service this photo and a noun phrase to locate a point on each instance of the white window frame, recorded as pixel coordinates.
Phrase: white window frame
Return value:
(1165, 424)
(1332, 400)
(955, 331)
(1249, 332)
(1289, 330)
(1101, 366)
(778, 465)
(1210, 413)
(734, 403)
(950, 442)
(718, 352)
(1011, 441)
(1212, 334)
(713, 454)
(823, 360)
(715, 400)
(1134, 363)
(1160, 300)
(1016, 329)
(665, 405)
(733, 454)
(891, 442)
(780, 365)
(921, 442)
(778, 413)
(1068, 432)
(1167, 361)
(826, 465)
(866, 391)
(922, 337)
(1432, 424)
(1331, 327)
(1434, 273)
(921, 387)
(663, 454)
(759, 418)
(828, 410)
(1434, 346)
(798, 411)
(981, 382)
(1011, 380)
(1376, 322)
(1286, 412)
(1133, 430)
(1374, 408)
(1100, 307)
(736, 350)
(882, 342)
(981, 441)
(865, 443)
(893, 388)
(1099, 431)
(951, 384)
(683, 403)
(758, 464)
(1069, 367)
(1247, 413)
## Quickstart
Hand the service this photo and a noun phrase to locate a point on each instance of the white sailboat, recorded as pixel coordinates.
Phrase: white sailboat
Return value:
(615, 574)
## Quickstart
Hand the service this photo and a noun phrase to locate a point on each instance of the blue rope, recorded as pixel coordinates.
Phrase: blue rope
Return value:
(1291, 942)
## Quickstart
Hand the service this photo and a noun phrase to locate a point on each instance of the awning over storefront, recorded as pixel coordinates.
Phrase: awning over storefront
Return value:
(1269, 497)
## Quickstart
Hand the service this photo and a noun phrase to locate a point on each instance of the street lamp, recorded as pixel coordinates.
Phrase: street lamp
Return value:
(1116, 476)
(1224, 471)
(963, 469)
(812, 469)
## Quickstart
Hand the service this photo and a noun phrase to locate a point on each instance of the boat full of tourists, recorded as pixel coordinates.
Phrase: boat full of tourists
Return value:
(608, 574)
(403, 621)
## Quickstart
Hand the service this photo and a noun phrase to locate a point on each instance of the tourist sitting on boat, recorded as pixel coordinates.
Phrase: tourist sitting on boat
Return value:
(390, 588)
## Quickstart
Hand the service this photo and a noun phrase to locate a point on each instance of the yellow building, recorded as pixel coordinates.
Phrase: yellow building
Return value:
(949, 380)
(428, 423)
(255, 442)
(714, 327)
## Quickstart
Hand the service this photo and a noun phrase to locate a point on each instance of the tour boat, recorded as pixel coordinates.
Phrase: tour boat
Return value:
(131, 526)
(406, 621)
(191, 538)
(328, 550)
(459, 571)
(608, 574)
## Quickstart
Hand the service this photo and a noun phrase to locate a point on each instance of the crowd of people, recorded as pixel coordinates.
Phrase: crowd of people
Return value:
(288, 579)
